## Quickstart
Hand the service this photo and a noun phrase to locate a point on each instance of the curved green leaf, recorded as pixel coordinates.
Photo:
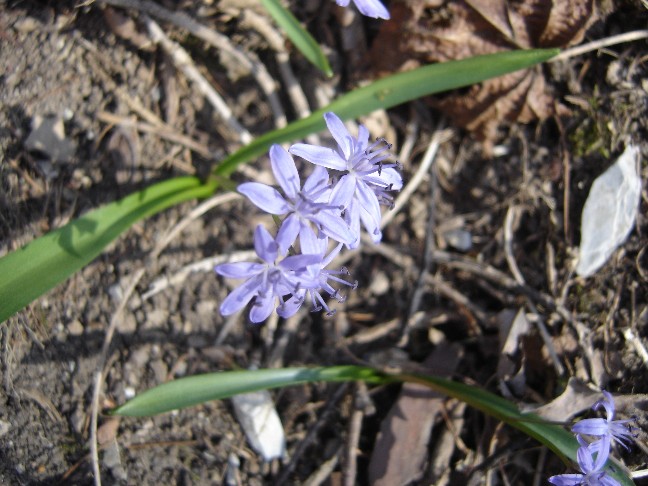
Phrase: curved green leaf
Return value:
(47, 261)
(298, 35)
(185, 392)
(392, 91)
(192, 390)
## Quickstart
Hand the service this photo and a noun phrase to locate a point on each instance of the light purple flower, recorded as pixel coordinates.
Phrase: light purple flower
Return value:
(303, 206)
(591, 459)
(266, 282)
(366, 180)
(614, 430)
(316, 279)
(370, 8)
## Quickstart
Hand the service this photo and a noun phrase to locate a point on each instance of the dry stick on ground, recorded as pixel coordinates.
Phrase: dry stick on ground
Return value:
(408, 265)
(122, 93)
(429, 247)
(99, 373)
(312, 433)
(517, 274)
(166, 132)
(220, 42)
(278, 43)
(204, 265)
(325, 470)
(184, 63)
(440, 136)
(599, 44)
(362, 405)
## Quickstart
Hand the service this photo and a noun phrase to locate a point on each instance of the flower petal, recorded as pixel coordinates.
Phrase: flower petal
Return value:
(343, 191)
(339, 133)
(607, 403)
(368, 200)
(239, 269)
(265, 245)
(285, 171)
(299, 261)
(288, 232)
(363, 138)
(371, 225)
(334, 226)
(393, 177)
(567, 480)
(372, 8)
(264, 197)
(324, 156)
(352, 217)
(597, 427)
(292, 305)
(240, 296)
(316, 180)
(311, 244)
(262, 307)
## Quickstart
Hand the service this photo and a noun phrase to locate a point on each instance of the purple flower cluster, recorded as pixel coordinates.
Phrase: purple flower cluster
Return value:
(592, 456)
(325, 208)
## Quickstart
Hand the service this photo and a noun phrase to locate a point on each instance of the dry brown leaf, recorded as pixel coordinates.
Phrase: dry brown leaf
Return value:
(419, 34)
(108, 430)
(402, 445)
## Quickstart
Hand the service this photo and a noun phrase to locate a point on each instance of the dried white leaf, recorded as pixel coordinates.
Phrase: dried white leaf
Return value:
(258, 417)
(609, 212)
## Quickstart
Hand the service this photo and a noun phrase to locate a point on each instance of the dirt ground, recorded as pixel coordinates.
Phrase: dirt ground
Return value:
(443, 280)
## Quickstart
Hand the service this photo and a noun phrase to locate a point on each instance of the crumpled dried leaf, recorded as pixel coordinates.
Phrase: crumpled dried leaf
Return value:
(576, 398)
(513, 327)
(420, 34)
(402, 445)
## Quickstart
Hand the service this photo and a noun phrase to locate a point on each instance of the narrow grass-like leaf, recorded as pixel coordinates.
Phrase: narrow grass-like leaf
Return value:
(47, 261)
(298, 35)
(185, 392)
(392, 91)
(192, 390)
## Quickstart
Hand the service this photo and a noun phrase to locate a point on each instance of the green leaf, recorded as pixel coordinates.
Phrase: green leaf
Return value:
(45, 262)
(392, 91)
(298, 35)
(193, 390)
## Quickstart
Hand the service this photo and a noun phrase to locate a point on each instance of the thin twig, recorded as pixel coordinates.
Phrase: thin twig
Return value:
(194, 214)
(598, 44)
(98, 375)
(183, 62)
(220, 42)
(164, 131)
(278, 44)
(440, 136)
(312, 433)
(325, 470)
(353, 439)
(408, 265)
(204, 265)
(508, 245)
